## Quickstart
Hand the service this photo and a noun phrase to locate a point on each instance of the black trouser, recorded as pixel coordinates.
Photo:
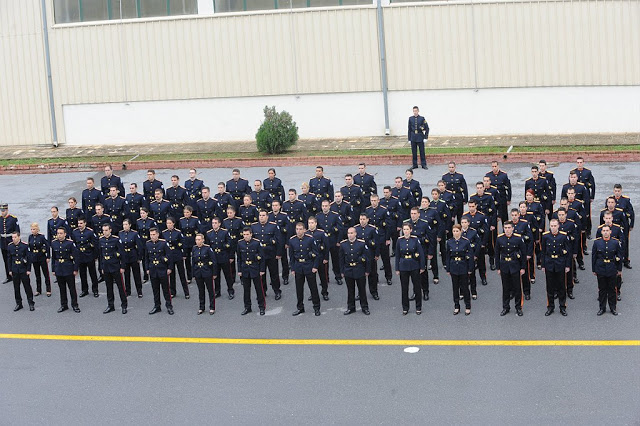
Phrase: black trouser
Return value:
(556, 284)
(537, 248)
(335, 261)
(157, 283)
(313, 288)
(111, 278)
(415, 146)
(386, 260)
(511, 285)
(65, 282)
(589, 224)
(132, 268)
(491, 245)
(351, 292)
(323, 273)
(394, 240)
(274, 276)
(458, 209)
(424, 277)
(41, 267)
(531, 268)
(187, 262)
(84, 284)
(582, 248)
(607, 291)
(525, 278)
(233, 264)
(627, 234)
(443, 246)
(5, 258)
(417, 288)
(223, 268)
(179, 264)
(284, 262)
(257, 284)
(503, 211)
(570, 276)
(461, 284)
(206, 282)
(434, 267)
(373, 276)
(22, 278)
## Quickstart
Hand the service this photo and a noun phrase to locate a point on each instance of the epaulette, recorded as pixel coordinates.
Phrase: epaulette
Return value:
(355, 184)
(464, 238)
(619, 209)
(346, 239)
(393, 196)
(548, 171)
(517, 235)
(562, 232)
(255, 239)
(412, 236)
(599, 238)
(205, 245)
(381, 206)
(614, 238)
(120, 196)
(528, 179)
(500, 235)
(254, 223)
(624, 196)
(546, 232)
(362, 241)
(493, 186)
(571, 220)
(604, 210)
(580, 183)
(295, 236)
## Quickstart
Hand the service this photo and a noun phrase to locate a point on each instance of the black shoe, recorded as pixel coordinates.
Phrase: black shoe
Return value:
(139, 295)
(504, 312)
(109, 309)
(278, 295)
(76, 309)
(366, 311)
(96, 294)
(527, 297)
(492, 267)
(549, 311)
(170, 311)
(539, 267)
(246, 311)
(298, 312)
(339, 281)
(563, 312)
(425, 296)
(576, 280)
(217, 295)
(349, 311)
(155, 311)
(532, 281)
(32, 308)
(627, 265)
(17, 308)
(84, 293)
(585, 252)
(412, 297)
(8, 280)
(187, 296)
(145, 280)
(231, 295)
(200, 311)
(381, 268)
(375, 296)
(261, 311)
(393, 254)
(316, 312)
(581, 267)
(601, 312)
(484, 281)
(389, 282)
(519, 312)
(436, 281)
(124, 311)
(614, 312)
(415, 166)
(100, 279)
(310, 298)
(325, 297)
(62, 308)
(618, 297)
(570, 295)
(425, 167)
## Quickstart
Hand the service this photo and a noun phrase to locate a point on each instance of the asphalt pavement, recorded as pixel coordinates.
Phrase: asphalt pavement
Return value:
(80, 382)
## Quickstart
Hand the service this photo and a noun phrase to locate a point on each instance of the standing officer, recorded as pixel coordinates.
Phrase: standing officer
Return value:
(442, 199)
(273, 185)
(193, 186)
(413, 186)
(175, 241)
(237, 187)
(39, 258)
(586, 177)
(248, 211)
(456, 183)
(86, 243)
(380, 218)
(551, 179)
(491, 190)
(522, 227)
(606, 264)
(220, 242)
(366, 182)
(206, 209)
(294, 209)
(305, 260)
(133, 253)
(537, 214)
(115, 206)
(405, 199)
(410, 264)
(64, 266)
(269, 235)
(427, 237)
(224, 200)
(322, 244)
(90, 197)
(54, 223)
(189, 225)
(234, 226)
(530, 218)
(111, 261)
(284, 224)
(511, 255)
(392, 205)
(480, 223)
(251, 268)
(332, 224)
(159, 266)
(144, 225)
(369, 233)
(418, 134)
(20, 270)
(624, 202)
(203, 264)
(474, 240)
(321, 186)
(501, 181)
(354, 265)
(159, 210)
(259, 197)
(541, 189)
(459, 265)
(486, 204)
(134, 201)
(582, 194)
(345, 211)
(99, 219)
(177, 197)
(73, 213)
(568, 226)
(150, 185)
(310, 201)
(556, 263)
(109, 180)
(353, 195)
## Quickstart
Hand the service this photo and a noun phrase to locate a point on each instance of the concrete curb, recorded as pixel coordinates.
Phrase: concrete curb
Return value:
(404, 160)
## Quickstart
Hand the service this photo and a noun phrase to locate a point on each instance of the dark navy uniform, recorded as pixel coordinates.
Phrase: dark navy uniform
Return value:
(322, 187)
(475, 243)
(353, 195)
(86, 242)
(347, 216)
(117, 209)
(488, 206)
(20, 265)
(573, 233)
(38, 256)
(261, 199)
(392, 205)
(480, 223)
(189, 227)
(503, 185)
(553, 187)
(536, 216)
(275, 188)
(583, 194)
(175, 241)
(224, 200)
(270, 237)
(556, 257)
(178, 199)
(97, 221)
(287, 229)
(405, 202)
(194, 191)
(586, 178)
(418, 132)
(108, 182)
(355, 262)
(64, 265)
(511, 256)
(111, 261)
(618, 234)
(410, 260)
(159, 211)
(234, 228)
(369, 234)
(322, 244)
(305, 257)
(624, 203)
(311, 204)
(523, 228)
(143, 226)
(332, 225)
(460, 264)
(133, 254)
(72, 215)
(203, 264)
(238, 189)
(381, 219)
(149, 189)
(90, 197)
(53, 225)
(415, 189)
(541, 191)
(457, 184)
(427, 237)
(157, 264)
(368, 185)
(249, 214)
(133, 204)
(445, 217)
(220, 243)
(207, 210)
(251, 265)
(606, 263)
(296, 211)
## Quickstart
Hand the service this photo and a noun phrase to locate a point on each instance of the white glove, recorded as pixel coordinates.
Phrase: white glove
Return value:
(425, 141)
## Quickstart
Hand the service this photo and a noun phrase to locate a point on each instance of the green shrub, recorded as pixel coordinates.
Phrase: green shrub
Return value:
(277, 133)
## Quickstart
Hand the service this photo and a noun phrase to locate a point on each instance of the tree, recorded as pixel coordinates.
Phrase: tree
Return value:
(277, 133)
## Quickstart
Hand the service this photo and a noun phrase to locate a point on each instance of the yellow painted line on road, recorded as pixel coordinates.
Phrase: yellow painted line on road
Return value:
(323, 342)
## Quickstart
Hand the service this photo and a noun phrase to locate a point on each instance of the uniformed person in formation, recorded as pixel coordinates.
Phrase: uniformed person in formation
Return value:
(189, 225)
(413, 185)
(260, 197)
(366, 182)
(54, 223)
(268, 234)
(251, 268)
(548, 175)
(305, 261)
(606, 264)
(175, 241)
(511, 258)
(109, 180)
(194, 187)
(248, 212)
(618, 234)
(380, 217)
(410, 264)
(111, 261)
(585, 177)
(150, 185)
(143, 226)
(273, 185)
(369, 233)
(90, 197)
(418, 133)
(86, 242)
(134, 201)
(352, 194)
(224, 200)
(203, 262)
(133, 249)
(474, 240)
(500, 180)
(206, 209)
(237, 187)
(159, 210)
(20, 270)
(64, 266)
(159, 266)
(115, 207)
(354, 265)
(322, 243)
(39, 258)
(456, 183)
(331, 224)
(177, 197)
(459, 265)
(321, 186)
(234, 227)
(556, 263)
(624, 202)
(73, 213)
(220, 242)
(281, 219)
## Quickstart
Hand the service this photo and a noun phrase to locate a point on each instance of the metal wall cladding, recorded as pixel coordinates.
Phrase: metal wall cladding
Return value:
(516, 44)
(24, 103)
